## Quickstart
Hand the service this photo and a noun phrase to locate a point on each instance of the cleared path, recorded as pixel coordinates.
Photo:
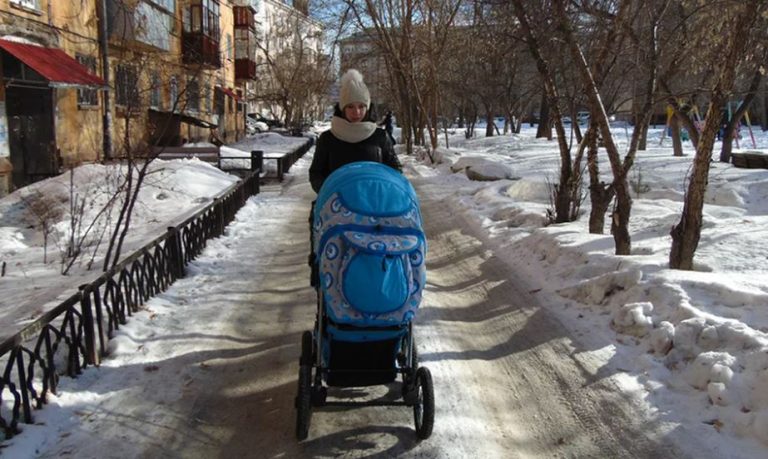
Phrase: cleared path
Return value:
(509, 381)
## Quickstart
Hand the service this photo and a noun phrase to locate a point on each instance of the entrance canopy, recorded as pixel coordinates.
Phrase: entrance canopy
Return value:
(53, 64)
(229, 92)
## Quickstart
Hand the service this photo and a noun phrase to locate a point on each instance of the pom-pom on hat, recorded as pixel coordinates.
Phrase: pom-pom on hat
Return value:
(353, 89)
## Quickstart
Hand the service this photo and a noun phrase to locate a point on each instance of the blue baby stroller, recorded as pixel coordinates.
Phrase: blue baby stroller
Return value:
(368, 263)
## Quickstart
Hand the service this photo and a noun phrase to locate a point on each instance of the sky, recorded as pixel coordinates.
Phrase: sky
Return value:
(691, 344)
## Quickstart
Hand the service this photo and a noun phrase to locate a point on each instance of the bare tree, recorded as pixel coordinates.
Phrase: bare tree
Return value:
(295, 76)
(535, 38)
(412, 36)
(724, 29)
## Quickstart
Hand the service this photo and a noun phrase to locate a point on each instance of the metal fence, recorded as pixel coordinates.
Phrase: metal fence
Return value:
(74, 334)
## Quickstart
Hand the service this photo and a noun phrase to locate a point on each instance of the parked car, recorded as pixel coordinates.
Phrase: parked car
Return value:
(254, 127)
(271, 122)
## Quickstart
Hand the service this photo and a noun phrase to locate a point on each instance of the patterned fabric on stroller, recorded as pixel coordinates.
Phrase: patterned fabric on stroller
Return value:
(369, 251)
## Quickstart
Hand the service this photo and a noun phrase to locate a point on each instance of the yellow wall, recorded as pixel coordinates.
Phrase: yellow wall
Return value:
(227, 70)
(74, 29)
(78, 129)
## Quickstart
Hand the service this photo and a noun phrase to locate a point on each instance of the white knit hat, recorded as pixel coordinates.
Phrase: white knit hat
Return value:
(353, 89)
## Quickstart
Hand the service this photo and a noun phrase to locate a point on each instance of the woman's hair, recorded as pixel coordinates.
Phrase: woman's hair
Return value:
(337, 111)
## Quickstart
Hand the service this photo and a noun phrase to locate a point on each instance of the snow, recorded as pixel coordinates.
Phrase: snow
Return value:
(693, 344)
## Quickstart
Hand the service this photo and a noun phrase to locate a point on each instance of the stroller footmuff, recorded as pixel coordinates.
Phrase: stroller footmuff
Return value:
(369, 253)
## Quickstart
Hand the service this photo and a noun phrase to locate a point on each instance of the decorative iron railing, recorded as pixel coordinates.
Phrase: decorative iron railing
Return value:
(74, 334)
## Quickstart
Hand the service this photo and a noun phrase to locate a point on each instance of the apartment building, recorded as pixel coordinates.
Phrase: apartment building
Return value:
(176, 71)
(45, 50)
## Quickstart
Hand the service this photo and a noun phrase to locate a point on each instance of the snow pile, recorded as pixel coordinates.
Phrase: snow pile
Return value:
(705, 331)
(41, 221)
(481, 169)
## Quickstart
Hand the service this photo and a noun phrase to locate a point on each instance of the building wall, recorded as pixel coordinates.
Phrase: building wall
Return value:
(148, 41)
(234, 121)
(62, 25)
(78, 128)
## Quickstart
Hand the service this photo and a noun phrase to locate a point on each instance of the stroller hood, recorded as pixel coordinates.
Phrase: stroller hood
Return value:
(370, 245)
(369, 188)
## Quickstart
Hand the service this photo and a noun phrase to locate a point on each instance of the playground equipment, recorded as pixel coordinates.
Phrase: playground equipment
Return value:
(738, 128)
(698, 122)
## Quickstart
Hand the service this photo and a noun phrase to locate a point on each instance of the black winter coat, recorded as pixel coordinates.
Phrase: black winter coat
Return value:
(331, 153)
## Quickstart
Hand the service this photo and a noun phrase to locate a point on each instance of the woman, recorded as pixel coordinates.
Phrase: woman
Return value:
(353, 136)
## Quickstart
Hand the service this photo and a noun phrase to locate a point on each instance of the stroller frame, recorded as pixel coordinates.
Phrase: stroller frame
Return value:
(417, 389)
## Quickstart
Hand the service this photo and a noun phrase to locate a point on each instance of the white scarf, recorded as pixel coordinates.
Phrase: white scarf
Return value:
(351, 132)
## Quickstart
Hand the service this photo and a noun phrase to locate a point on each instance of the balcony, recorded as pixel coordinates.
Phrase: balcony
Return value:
(198, 48)
(200, 36)
(245, 42)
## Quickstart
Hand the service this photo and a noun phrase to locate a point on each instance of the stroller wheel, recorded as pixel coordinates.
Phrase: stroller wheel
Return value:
(304, 402)
(306, 349)
(424, 408)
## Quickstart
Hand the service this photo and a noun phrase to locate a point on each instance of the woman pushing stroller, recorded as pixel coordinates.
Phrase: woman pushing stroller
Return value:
(353, 136)
(368, 269)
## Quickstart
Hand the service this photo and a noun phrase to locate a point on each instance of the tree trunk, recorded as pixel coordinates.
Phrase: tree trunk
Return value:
(685, 121)
(733, 123)
(544, 130)
(620, 218)
(489, 123)
(765, 107)
(600, 194)
(643, 144)
(562, 194)
(621, 214)
(686, 234)
(677, 143)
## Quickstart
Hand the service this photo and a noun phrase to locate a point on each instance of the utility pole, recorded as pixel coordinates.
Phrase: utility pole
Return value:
(104, 52)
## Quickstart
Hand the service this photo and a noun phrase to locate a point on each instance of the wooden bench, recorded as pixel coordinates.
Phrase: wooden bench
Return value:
(284, 160)
(210, 154)
(750, 160)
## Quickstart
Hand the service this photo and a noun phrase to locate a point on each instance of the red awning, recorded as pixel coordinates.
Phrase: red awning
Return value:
(229, 92)
(53, 64)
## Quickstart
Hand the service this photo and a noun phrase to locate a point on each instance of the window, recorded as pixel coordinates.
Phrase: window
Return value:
(244, 44)
(126, 86)
(193, 96)
(202, 16)
(207, 98)
(87, 97)
(31, 4)
(155, 90)
(218, 101)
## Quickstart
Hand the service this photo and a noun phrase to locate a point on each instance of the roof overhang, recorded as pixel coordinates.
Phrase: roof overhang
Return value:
(53, 64)
(229, 92)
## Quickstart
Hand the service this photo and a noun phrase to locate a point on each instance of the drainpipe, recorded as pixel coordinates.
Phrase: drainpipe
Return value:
(104, 52)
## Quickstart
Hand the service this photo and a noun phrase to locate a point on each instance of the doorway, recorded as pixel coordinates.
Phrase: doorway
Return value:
(31, 137)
